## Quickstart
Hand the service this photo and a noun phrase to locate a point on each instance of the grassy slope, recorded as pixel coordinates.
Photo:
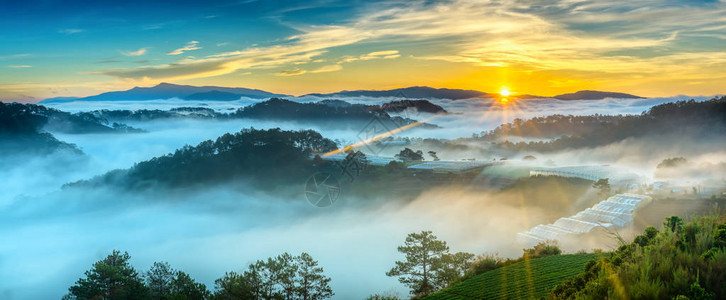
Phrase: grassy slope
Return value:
(523, 280)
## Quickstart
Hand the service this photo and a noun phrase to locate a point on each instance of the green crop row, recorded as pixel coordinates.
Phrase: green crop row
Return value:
(528, 279)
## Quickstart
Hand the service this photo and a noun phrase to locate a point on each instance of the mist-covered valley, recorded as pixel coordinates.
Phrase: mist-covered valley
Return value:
(147, 192)
(377, 150)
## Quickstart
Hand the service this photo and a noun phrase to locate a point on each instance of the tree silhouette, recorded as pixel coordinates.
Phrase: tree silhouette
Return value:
(110, 278)
(424, 253)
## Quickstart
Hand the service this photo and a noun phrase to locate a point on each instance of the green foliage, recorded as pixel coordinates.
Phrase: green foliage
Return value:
(18, 117)
(453, 266)
(483, 264)
(238, 286)
(674, 224)
(277, 108)
(110, 278)
(681, 262)
(311, 284)
(647, 237)
(22, 130)
(696, 292)
(720, 236)
(523, 279)
(274, 153)
(281, 277)
(423, 251)
(383, 296)
(689, 119)
(183, 287)
(409, 155)
(672, 162)
(428, 265)
(167, 283)
(543, 249)
(395, 167)
(603, 185)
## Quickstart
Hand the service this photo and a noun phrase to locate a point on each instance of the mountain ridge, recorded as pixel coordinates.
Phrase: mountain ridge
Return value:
(217, 93)
(167, 91)
(594, 95)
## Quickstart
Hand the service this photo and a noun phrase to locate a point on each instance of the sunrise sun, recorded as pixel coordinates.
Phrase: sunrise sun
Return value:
(504, 92)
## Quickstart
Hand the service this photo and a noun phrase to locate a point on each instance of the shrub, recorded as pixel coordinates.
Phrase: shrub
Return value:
(543, 249)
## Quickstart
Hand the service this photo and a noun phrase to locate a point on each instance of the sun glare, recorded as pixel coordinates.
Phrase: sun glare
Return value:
(504, 92)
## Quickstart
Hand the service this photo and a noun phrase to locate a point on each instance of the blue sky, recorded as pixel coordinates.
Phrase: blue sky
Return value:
(77, 48)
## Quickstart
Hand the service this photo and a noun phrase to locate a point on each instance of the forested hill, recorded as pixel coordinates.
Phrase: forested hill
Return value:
(264, 157)
(337, 112)
(595, 95)
(21, 132)
(37, 117)
(281, 109)
(696, 120)
(141, 115)
(420, 106)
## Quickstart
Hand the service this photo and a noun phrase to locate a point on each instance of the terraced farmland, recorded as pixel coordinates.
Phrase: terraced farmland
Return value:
(523, 280)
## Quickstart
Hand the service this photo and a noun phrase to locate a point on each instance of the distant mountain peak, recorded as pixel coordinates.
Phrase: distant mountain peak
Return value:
(595, 95)
(167, 90)
(416, 92)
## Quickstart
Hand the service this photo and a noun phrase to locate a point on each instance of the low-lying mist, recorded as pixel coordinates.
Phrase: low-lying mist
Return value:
(59, 235)
(50, 236)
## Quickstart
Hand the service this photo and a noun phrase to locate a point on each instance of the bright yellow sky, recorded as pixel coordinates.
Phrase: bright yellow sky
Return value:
(648, 48)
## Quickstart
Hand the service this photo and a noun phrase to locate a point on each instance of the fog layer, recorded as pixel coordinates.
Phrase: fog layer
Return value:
(50, 236)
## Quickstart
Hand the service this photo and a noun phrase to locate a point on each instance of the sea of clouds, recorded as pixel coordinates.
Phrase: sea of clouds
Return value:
(50, 235)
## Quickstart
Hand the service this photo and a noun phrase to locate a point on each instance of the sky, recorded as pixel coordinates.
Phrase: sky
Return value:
(78, 48)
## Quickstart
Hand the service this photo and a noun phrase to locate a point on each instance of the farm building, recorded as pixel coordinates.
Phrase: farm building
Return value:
(616, 176)
(450, 166)
(617, 211)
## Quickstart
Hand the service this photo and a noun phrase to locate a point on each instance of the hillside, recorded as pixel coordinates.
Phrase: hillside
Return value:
(686, 259)
(168, 90)
(526, 279)
(282, 109)
(141, 115)
(38, 117)
(412, 92)
(325, 111)
(251, 154)
(695, 120)
(26, 129)
(21, 132)
(419, 105)
(595, 95)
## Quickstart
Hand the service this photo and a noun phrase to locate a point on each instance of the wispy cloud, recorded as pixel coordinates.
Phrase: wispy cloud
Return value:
(387, 54)
(14, 56)
(139, 52)
(70, 31)
(108, 61)
(578, 37)
(192, 45)
(19, 66)
(152, 27)
(291, 72)
(328, 68)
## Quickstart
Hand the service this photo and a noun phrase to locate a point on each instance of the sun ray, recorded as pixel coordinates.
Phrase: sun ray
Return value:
(380, 136)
